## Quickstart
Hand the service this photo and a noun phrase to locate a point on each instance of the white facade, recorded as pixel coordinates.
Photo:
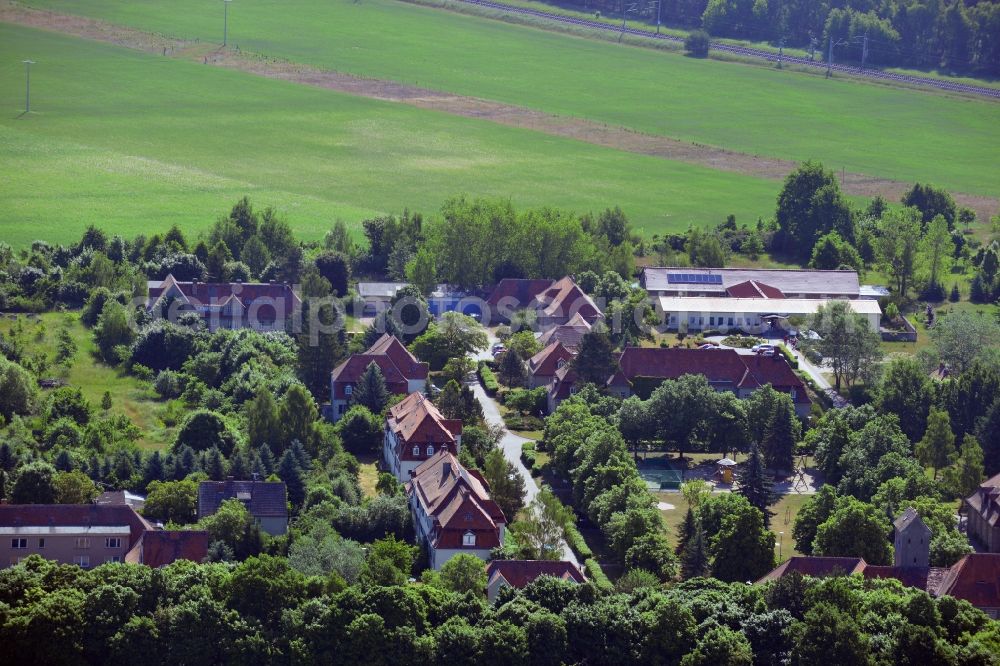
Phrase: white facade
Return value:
(753, 315)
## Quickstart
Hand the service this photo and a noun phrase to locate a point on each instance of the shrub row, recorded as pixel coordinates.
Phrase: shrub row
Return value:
(596, 574)
(792, 361)
(488, 379)
(577, 544)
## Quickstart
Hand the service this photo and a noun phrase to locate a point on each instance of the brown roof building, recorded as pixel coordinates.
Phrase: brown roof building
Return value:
(266, 501)
(982, 509)
(403, 373)
(519, 573)
(554, 302)
(415, 431)
(89, 535)
(570, 333)
(974, 578)
(641, 369)
(542, 367)
(261, 306)
(452, 510)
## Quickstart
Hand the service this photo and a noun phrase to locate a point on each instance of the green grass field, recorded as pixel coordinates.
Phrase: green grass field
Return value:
(135, 142)
(129, 395)
(873, 129)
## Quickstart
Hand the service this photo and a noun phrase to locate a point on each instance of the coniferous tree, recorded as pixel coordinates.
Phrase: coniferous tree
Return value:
(292, 475)
(511, 371)
(239, 465)
(320, 348)
(371, 391)
(263, 422)
(154, 469)
(267, 461)
(686, 531)
(595, 361)
(215, 465)
(694, 559)
(779, 439)
(755, 484)
(64, 461)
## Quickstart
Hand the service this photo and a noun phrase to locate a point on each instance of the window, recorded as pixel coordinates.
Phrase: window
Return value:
(467, 517)
(41, 543)
(113, 542)
(468, 539)
(18, 543)
(730, 321)
(711, 321)
(82, 561)
(341, 409)
(416, 450)
(560, 363)
(348, 390)
(83, 542)
(430, 449)
(115, 558)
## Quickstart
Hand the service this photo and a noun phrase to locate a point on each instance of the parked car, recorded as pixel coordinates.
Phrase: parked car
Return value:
(498, 349)
(764, 350)
(709, 345)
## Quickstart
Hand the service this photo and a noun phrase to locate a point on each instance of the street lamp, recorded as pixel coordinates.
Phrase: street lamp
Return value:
(225, 22)
(27, 84)
(781, 537)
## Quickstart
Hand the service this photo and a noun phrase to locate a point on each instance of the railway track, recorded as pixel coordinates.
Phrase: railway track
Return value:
(748, 51)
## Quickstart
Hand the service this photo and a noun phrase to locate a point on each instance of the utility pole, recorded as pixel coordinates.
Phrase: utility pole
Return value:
(659, 3)
(225, 22)
(829, 60)
(864, 52)
(781, 51)
(27, 84)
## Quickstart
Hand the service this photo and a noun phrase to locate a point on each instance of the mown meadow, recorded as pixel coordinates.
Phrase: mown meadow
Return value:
(866, 128)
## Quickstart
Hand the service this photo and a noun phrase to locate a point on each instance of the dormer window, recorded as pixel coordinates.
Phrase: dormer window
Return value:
(416, 450)
(430, 449)
(348, 390)
(469, 539)
(560, 363)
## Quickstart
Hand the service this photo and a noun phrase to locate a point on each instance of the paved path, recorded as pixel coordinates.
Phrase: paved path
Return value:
(511, 446)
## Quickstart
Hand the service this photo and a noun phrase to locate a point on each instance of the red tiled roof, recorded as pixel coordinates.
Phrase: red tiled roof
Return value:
(278, 294)
(457, 500)
(160, 548)
(519, 573)
(774, 370)
(565, 299)
(74, 515)
(816, 566)
(520, 291)
(415, 420)
(570, 333)
(546, 362)
(397, 364)
(917, 577)
(754, 289)
(974, 578)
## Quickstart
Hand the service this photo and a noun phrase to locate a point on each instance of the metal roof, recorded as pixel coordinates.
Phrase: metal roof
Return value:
(789, 281)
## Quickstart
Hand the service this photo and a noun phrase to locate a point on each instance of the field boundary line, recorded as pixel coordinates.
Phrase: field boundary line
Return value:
(579, 129)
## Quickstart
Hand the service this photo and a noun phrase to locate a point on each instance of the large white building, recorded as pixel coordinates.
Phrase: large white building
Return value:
(752, 315)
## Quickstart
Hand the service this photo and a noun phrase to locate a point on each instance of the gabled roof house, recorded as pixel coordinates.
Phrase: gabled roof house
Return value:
(415, 431)
(267, 501)
(258, 305)
(641, 369)
(982, 509)
(403, 373)
(519, 573)
(452, 510)
(542, 367)
(554, 302)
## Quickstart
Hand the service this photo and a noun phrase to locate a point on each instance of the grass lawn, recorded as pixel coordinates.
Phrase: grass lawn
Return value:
(872, 129)
(368, 474)
(129, 396)
(134, 143)
(785, 510)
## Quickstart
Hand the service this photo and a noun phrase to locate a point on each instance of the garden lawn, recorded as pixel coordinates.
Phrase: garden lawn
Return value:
(134, 143)
(866, 128)
(129, 396)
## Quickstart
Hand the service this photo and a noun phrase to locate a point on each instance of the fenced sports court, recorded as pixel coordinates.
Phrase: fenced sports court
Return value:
(660, 474)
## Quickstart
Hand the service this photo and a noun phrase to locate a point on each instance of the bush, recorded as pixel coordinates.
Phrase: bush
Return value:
(596, 574)
(792, 361)
(488, 379)
(528, 454)
(742, 341)
(697, 43)
(577, 544)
